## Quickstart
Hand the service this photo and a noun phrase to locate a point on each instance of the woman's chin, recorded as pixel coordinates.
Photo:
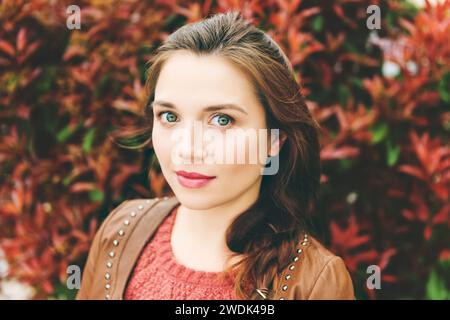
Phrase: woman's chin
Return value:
(196, 200)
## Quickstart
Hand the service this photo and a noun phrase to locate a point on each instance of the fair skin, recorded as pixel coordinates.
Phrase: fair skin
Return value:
(186, 86)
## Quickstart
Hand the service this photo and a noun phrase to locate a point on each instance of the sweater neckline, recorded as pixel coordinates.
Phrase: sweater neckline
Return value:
(179, 271)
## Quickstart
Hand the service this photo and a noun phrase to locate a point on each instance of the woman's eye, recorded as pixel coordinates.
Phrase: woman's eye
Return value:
(222, 120)
(167, 116)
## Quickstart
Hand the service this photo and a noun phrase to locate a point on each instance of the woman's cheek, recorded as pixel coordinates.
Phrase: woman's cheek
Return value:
(161, 146)
(246, 167)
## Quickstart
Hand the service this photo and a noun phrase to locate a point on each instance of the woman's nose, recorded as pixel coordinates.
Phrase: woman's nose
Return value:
(190, 147)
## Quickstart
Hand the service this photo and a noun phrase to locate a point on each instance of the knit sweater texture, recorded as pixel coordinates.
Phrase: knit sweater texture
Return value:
(157, 274)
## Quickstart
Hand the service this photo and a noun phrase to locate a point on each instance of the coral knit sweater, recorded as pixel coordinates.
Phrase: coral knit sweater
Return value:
(158, 276)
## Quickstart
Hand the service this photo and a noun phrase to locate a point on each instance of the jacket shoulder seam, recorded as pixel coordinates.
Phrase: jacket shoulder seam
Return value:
(113, 213)
(129, 234)
(319, 274)
(98, 238)
(121, 210)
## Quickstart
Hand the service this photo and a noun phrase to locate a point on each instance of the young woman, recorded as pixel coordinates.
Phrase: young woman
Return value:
(233, 229)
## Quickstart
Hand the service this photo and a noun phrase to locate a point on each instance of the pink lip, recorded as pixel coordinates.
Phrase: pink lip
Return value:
(193, 179)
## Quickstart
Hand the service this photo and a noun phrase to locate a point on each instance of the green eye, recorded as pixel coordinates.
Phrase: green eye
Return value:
(168, 116)
(223, 120)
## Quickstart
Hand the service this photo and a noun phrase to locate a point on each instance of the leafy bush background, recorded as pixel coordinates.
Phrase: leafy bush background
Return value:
(381, 97)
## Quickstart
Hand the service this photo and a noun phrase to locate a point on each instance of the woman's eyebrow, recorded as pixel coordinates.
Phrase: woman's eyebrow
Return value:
(208, 108)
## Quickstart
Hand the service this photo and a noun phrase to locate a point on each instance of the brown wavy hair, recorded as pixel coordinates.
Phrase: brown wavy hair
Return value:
(266, 234)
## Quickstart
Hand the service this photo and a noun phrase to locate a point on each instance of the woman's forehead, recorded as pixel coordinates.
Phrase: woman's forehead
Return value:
(198, 81)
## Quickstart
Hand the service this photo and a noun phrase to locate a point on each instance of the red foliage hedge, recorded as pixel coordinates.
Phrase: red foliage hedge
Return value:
(385, 146)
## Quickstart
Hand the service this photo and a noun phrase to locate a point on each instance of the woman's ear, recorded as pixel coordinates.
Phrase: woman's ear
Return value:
(276, 143)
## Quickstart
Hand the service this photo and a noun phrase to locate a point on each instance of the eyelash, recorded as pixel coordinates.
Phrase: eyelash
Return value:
(232, 120)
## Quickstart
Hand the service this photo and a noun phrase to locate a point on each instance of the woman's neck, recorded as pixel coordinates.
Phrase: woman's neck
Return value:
(199, 236)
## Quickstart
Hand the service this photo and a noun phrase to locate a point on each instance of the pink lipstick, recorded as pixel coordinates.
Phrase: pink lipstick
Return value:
(193, 179)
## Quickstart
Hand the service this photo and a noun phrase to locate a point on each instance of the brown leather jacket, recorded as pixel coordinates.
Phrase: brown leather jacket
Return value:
(315, 273)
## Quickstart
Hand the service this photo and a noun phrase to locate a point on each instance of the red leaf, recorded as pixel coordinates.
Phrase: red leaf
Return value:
(30, 50)
(7, 48)
(413, 171)
(408, 214)
(21, 39)
(83, 186)
(389, 278)
(332, 152)
(385, 257)
(348, 237)
(444, 255)
(427, 233)
(442, 216)
(306, 12)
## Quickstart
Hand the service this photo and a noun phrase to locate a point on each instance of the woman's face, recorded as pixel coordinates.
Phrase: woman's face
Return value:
(197, 97)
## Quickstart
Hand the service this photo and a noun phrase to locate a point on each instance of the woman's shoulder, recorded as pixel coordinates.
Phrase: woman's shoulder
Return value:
(316, 273)
(131, 219)
(124, 217)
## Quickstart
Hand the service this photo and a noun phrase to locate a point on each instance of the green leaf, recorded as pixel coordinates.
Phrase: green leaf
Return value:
(350, 47)
(345, 164)
(46, 80)
(435, 287)
(96, 195)
(436, 284)
(12, 83)
(64, 134)
(393, 153)
(67, 132)
(379, 132)
(88, 140)
(357, 82)
(444, 87)
(61, 292)
(317, 23)
(344, 94)
(67, 181)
